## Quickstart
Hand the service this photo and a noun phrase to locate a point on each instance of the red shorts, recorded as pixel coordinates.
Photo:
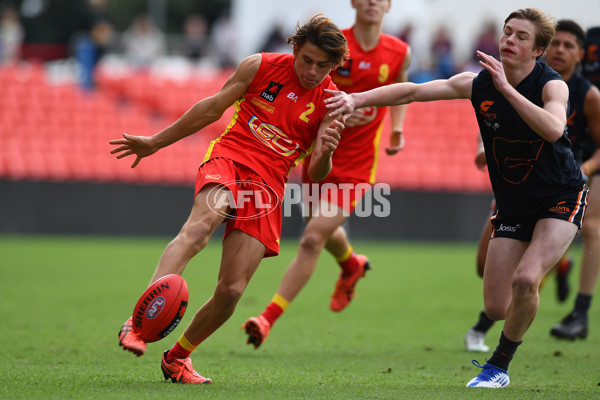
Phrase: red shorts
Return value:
(255, 208)
(344, 194)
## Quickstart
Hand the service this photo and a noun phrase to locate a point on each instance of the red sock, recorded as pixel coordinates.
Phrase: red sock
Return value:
(177, 352)
(272, 313)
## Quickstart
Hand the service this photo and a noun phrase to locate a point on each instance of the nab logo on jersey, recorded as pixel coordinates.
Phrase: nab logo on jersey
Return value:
(345, 70)
(271, 91)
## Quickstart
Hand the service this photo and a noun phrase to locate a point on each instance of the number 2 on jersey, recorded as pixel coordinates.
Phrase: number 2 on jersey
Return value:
(305, 114)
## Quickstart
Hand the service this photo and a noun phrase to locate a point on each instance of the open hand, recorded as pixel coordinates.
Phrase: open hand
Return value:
(341, 103)
(495, 68)
(141, 146)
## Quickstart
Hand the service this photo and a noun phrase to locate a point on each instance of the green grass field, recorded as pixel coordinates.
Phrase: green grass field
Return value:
(401, 338)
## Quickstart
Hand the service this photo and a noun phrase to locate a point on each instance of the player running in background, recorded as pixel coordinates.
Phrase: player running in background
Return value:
(376, 59)
(564, 53)
(590, 65)
(268, 135)
(521, 109)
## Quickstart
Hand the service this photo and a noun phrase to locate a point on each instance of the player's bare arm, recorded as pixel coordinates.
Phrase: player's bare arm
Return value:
(457, 87)
(202, 114)
(363, 116)
(591, 110)
(398, 113)
(549, 122)
(327, 141)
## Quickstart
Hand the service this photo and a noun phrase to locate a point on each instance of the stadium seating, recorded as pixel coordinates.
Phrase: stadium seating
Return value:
(60, 132)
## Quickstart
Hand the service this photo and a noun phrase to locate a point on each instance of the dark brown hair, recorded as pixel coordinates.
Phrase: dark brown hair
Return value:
(323, 33)
(567, 25)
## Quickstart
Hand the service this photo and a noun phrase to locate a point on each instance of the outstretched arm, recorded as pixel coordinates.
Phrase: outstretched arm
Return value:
(457, 87)
(202, 114)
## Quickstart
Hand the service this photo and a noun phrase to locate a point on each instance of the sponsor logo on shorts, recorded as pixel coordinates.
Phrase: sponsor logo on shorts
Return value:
(209, 176)
(560, 208)
(508, 228)
(155, 307)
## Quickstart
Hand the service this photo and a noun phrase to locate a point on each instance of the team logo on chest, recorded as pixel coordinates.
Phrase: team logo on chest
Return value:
(271, 92)
(272, 137)
(490, 118)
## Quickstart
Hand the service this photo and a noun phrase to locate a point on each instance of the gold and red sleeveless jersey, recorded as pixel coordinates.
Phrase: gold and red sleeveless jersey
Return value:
(275, 123)
(355, 159)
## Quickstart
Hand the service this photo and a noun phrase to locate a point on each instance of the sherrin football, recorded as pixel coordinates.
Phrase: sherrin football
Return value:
(160, 308)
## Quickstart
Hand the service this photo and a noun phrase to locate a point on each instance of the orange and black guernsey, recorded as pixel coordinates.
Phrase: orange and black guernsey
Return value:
(524, 168)
(275, 123)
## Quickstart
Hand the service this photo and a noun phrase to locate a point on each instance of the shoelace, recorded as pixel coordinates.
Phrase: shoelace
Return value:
(183, 366)
(487, 374)
(127, 328)
(179, 374)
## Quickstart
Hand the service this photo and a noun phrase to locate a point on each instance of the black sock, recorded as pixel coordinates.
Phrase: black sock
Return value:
(582, 304)
(484, 324)
(504, 352)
